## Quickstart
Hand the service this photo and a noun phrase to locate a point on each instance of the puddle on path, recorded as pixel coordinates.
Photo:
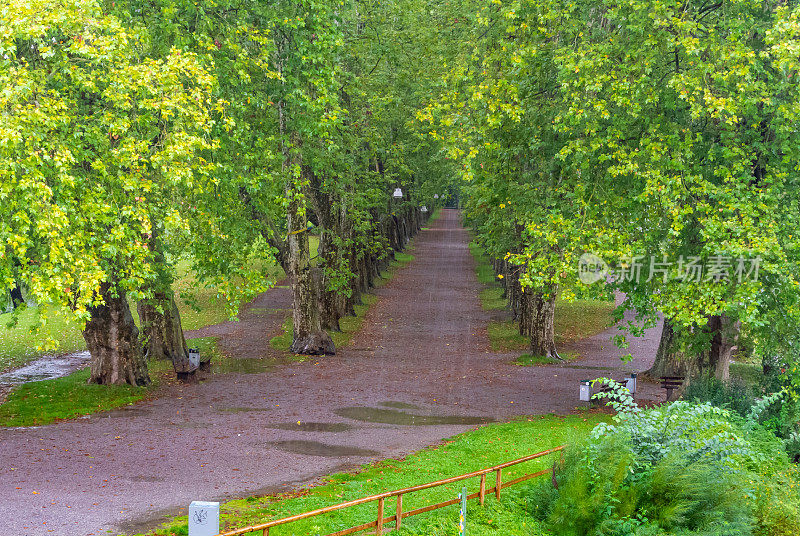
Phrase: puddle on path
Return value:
(313, 426)
(398, 405)
(46, 368)
(391, 416)
(315, 448)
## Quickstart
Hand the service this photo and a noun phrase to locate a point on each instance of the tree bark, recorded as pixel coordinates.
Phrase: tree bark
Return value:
(163, 334)
(671, 357)
(113, 342)
(16, 296)
(539, 321)
(725, 334)
(309, 338)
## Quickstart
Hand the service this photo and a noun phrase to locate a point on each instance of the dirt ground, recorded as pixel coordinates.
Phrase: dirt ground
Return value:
(419, 371)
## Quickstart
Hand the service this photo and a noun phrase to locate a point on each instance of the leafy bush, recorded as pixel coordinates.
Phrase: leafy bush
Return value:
(681, 469)
(778, 412)
(734, 395)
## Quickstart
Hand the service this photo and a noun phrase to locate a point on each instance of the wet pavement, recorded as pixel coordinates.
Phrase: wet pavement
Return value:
(46, 368)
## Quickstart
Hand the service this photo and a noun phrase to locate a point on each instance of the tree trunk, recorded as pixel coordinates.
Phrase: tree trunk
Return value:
(329, 310)
(113, 342)
(16, 296)
(514, 298)
(309, 337)
(723, 343)
(539, 318)
(671, 357)
(163, 334)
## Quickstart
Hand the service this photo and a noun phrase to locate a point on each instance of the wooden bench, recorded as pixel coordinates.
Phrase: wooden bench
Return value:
(670, 383)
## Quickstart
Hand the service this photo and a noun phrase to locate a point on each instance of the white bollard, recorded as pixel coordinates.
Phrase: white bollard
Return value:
(203, 518)
(194, 357)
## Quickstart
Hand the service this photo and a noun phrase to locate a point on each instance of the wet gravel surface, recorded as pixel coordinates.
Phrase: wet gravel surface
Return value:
(418, 372)
(46, 368)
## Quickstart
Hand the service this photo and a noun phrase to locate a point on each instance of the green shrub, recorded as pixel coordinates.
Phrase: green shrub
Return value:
(778, 412)
(734, 395)
(678, 469)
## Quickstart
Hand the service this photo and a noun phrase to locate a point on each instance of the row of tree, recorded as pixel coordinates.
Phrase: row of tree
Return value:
(138, 133)
(661, 137)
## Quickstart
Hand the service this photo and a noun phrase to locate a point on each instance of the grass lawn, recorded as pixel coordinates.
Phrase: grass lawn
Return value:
(484, 447)
(39, 403)
(530, 360)
(22, 343)
(574, 320)
(349, 324)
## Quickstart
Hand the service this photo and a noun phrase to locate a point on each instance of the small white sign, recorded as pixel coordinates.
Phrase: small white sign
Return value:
(203, 518)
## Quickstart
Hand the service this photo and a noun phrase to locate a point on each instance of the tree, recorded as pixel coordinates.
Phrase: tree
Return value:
(688, 113)
(94, 137)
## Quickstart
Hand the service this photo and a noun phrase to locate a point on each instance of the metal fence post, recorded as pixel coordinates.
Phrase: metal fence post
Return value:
(462, 518)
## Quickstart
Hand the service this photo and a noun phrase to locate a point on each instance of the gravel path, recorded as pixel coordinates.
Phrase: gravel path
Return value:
(419, 371)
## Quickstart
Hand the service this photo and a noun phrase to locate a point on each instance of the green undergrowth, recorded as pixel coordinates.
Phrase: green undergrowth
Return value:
(748, 373)
(44, 402)
(484, 447)
(350, 325)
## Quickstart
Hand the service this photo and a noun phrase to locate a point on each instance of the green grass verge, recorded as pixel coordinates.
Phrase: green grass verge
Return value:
(350, 324)
(492, 298)
(483, 269)
(23, 342)
(573, 321)
(40, 403)
(504, 336)
(582, 318)
(529, 360)
(484, 447)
